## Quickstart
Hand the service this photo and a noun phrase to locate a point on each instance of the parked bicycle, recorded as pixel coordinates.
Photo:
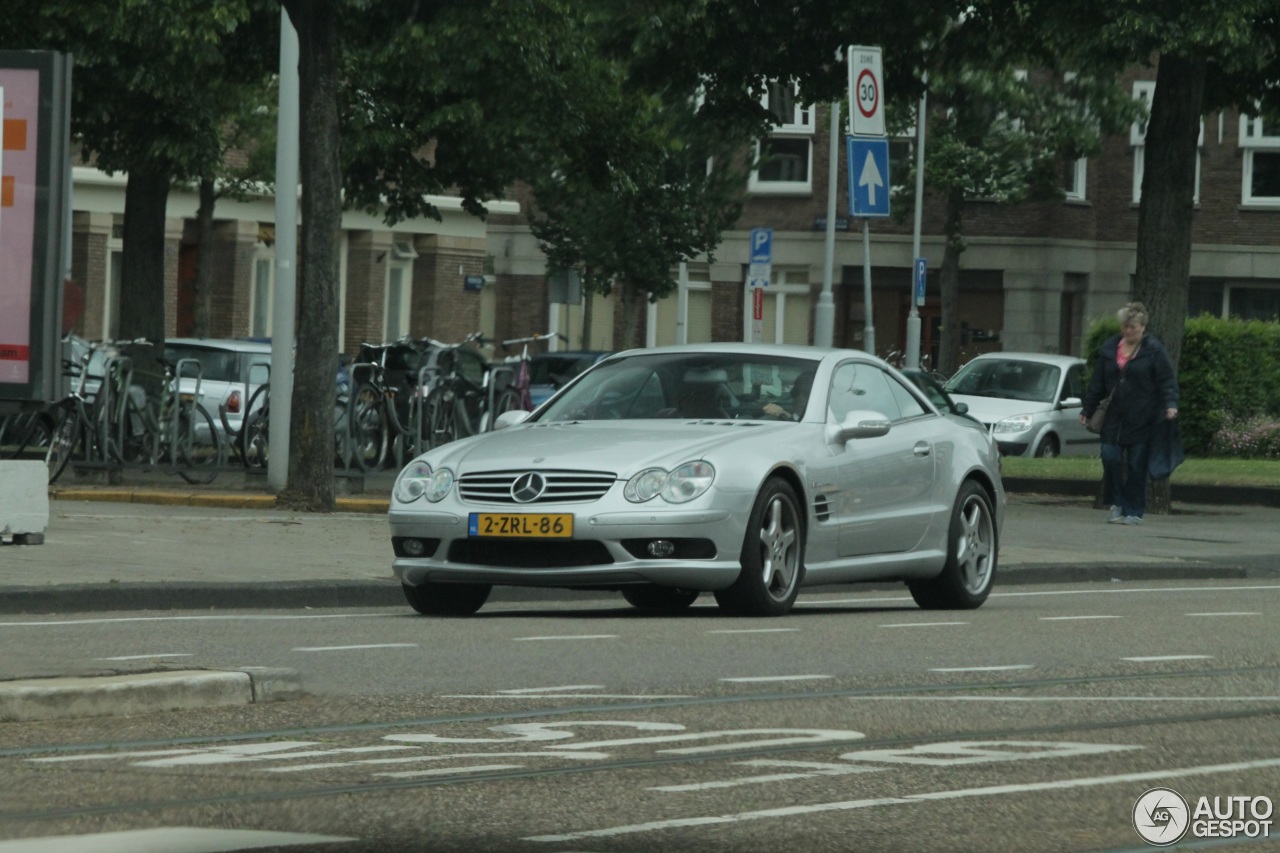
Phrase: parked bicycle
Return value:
(253, 441)
(469, 393)
(85, 424)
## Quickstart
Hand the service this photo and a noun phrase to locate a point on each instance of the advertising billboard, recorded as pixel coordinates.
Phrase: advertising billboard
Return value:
(35, 199)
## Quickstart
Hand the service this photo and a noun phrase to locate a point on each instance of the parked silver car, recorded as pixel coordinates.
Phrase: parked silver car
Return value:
(658, 473)
(1030, 402)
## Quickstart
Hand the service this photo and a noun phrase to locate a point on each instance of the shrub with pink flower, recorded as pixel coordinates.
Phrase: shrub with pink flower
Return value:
(1256, 437)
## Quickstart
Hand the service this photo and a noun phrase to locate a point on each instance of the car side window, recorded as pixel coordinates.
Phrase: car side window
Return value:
(908, 404)
(862, 387)
(1074, 386)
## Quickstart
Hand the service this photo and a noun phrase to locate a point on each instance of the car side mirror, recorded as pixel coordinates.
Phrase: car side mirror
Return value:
(962, 408)
(1070, 403)
(858, 424)
(510, 418)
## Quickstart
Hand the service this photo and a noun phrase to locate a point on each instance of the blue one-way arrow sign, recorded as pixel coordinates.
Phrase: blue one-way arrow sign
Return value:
(868, 177)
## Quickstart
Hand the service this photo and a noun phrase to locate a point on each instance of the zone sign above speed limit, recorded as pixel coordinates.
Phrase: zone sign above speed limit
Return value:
(866, 91)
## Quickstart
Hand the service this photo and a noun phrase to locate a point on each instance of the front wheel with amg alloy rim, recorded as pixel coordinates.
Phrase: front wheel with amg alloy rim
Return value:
(965, 580)
(772, 556)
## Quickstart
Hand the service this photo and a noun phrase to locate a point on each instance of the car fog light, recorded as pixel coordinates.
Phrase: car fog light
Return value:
(661, 548)
(413, 547)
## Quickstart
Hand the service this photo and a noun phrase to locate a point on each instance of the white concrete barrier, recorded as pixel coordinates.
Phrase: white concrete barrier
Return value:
(24, 500)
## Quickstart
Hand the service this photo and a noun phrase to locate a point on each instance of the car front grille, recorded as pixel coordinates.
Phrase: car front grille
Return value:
(562, 486)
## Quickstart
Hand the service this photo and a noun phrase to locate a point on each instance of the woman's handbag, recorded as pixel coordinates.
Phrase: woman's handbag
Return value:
(1099, 416)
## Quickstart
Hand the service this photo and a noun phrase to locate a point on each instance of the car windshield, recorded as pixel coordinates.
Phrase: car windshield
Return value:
(215, 365)
(1010, 379)
(681, 385)
(558, 369)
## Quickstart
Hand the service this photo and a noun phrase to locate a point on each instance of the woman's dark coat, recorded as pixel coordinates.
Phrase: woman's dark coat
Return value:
(1143, 390)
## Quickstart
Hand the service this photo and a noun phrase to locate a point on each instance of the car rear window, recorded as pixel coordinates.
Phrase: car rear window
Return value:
(215, 365)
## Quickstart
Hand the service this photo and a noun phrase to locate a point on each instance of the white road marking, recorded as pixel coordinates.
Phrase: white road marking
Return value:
(1155, 658)
(753, 630)
(811, 768)
(168, 839)
(955, 794)
(515, 691)
(746, 679)
(566, 696)
(355, 648)
(447, 771)
(1073, 618)
(1228, 613)
(921, 624)
(410, 759)
(886, 599)
(982, 668)
(148, 657)
(567, 637)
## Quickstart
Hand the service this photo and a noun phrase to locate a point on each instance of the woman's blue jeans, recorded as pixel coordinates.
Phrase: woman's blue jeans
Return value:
(1124, 476)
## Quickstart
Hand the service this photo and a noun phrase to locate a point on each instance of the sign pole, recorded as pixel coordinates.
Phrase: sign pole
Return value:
(869, 329)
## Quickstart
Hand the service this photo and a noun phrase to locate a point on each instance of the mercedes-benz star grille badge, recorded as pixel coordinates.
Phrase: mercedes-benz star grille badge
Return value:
(528, 487)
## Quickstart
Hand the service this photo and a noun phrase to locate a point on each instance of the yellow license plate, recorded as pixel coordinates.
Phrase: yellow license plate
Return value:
(521, 525)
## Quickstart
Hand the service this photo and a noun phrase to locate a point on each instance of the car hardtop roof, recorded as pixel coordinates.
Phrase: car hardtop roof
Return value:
(1041, 357)
(783, 350)
(230, 344)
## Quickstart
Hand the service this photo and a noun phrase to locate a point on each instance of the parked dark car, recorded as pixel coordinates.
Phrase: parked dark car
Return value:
(548, 371)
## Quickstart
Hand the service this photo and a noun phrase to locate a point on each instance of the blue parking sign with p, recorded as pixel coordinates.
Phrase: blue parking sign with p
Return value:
(761, 245)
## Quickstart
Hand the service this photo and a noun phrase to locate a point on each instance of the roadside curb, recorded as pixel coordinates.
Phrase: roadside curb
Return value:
(31, 699)
(224, 500)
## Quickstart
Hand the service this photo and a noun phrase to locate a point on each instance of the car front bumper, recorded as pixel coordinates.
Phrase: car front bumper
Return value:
(608, 549)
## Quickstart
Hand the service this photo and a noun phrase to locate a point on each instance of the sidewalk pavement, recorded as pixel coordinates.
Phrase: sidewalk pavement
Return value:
(157, 546)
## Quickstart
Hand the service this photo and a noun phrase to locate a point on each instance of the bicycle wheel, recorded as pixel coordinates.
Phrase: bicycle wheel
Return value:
(65, 439)
(441, 416)
(368, 428)
(200, 453)
(508, 401)
(253, 437)
(341, 435)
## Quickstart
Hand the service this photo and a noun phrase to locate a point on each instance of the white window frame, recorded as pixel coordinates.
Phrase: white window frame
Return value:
(1145, 90)
(399, 259)
(111, 289)
(1080, 168)
(1253, 139)
(802, 126)
(260, 290)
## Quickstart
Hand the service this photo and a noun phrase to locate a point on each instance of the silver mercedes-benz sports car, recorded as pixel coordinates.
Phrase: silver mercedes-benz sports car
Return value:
(743, 470)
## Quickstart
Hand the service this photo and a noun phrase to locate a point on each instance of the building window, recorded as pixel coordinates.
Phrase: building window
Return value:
(1144, 90)
(1074, 174)
(263, 287)
(111, 296)
(1260, 140)
(785, 158)
(399, 291)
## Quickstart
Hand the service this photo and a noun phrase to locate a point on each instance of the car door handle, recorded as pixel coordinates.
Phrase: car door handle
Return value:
(922, 448)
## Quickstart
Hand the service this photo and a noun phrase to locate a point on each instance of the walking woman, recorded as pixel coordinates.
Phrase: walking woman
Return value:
(1134, 369)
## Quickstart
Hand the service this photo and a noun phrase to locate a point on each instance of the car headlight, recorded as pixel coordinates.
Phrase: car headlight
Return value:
(418, 480)
(687, 482)
(645, 485)
(1017, 423)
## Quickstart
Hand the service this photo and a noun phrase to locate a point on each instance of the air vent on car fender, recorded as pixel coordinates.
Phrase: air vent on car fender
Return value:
(822, 507)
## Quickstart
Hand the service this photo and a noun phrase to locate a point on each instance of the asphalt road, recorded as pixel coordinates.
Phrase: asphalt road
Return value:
(857, 723)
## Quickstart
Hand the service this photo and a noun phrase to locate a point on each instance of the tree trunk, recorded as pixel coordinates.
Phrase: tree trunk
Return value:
(204, 258)
(631, 301)
(949, 284)
(588, 311)
(1166, 210)
(142, 287)
(311, 442)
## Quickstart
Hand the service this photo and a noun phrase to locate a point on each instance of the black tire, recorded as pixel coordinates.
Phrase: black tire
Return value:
(64, 441)
(368, 428)
(1048, 448)
(447, 599)
(967, 576)
(200, 454)
(664, 599)
(772, 556)
(254, 437)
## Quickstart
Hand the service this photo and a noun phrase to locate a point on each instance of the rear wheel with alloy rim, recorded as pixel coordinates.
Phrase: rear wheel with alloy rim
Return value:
(965, 580)
(447, 599)
(772, 556)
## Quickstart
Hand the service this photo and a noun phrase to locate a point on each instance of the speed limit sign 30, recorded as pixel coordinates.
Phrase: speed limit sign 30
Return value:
(866, 91)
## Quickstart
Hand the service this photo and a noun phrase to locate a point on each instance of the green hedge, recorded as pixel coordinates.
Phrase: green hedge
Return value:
(1228, 370)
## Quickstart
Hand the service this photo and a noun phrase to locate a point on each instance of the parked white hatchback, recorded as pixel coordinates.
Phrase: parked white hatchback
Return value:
(1029, 401)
